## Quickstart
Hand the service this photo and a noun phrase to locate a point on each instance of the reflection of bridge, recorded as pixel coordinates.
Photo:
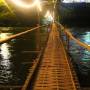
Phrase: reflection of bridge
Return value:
(52, 70)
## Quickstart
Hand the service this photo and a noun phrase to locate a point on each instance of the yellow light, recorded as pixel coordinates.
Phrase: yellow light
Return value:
(49, 16)
(3, 35)
(22, 4)
(4, 2)
(39, 5)
(5, 53)
(48, 13)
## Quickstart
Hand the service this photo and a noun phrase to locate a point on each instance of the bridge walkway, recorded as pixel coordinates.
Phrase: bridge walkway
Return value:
(54, 72)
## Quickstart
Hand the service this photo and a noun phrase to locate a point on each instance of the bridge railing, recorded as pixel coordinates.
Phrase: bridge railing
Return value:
(69, 37)
(20, 34)
(34, 70)
(36, 61)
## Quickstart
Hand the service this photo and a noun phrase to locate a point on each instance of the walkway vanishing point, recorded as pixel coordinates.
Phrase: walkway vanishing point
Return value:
(54, 71)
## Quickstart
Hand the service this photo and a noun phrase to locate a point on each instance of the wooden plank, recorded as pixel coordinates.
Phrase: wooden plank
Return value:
(54, 72)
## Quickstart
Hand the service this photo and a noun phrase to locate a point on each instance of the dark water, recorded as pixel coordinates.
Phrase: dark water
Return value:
(16, 56)
(80, 55)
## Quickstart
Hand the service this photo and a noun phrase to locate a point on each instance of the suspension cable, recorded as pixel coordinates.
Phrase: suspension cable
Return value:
(19, 34)
(73, 38)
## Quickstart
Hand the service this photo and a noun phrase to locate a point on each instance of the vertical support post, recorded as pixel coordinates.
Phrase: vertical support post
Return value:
(61, 33)
(67, 42)
(38, 46)
(62, 36)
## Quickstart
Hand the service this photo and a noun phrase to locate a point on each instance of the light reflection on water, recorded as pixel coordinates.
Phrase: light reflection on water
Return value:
(5, 63)
(16, 57)
(5, 53)
(86, 38)
(10, 61)
(4, 35)
(80, 55)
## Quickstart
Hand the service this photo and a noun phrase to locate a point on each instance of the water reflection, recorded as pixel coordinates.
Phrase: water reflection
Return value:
(5, 53)
(16, 56)
(86, 38)
(5, 63)
(81, 56)
(4, 35)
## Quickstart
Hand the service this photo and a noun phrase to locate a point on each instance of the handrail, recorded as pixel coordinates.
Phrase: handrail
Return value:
(19, 34)
(33, 69)
(69, 68)
(70, 36)
(73, 38)
(29, 77)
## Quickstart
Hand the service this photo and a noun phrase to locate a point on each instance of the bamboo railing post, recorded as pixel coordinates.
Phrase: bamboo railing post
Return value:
(38, 41)
(67, 42)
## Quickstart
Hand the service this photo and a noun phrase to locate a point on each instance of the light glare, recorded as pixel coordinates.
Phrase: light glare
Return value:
(5, 51)
(3, 36)
(4, 2)
(49, 16)
(22, 4)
